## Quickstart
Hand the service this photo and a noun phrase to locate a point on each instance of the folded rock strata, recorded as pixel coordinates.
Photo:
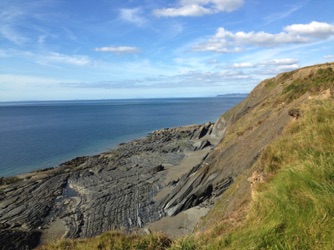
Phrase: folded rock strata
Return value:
(90, 195)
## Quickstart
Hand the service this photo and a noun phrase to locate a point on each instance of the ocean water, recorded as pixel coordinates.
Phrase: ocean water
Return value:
(36, 135)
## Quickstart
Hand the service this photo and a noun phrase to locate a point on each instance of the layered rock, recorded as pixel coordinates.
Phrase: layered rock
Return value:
(90, 195)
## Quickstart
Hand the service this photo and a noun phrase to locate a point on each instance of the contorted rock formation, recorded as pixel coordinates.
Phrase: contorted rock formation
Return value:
(90, 195)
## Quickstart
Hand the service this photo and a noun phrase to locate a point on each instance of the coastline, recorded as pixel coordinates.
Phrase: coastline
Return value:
(90, 152)
(128, 183)
(144, 175)
(41, 136)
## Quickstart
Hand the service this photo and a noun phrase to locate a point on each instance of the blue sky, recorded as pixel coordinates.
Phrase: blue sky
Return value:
(69, 50)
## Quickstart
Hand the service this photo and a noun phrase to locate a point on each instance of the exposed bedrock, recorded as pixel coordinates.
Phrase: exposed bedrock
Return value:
(89, 195)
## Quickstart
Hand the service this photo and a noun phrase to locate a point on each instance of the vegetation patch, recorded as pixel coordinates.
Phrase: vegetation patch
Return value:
(294, 209)
(286, 76)
(321, 80)
(113, 240)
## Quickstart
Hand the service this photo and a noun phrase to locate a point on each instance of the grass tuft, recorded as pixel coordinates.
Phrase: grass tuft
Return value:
(113, 240)
(323, 79)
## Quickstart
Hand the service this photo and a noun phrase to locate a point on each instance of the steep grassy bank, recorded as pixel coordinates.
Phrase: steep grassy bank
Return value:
(292, 193)
(285, 198)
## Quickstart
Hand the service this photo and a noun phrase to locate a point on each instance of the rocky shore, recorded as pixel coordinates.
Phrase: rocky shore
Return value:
(130, 187)
(163, 182)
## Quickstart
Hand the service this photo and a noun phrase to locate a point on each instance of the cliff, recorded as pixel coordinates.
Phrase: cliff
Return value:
(171, 178)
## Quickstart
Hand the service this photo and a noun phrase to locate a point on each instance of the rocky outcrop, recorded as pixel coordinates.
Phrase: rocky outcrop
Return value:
(90, 195)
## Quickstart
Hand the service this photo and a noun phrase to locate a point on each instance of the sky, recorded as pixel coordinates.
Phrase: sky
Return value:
(113, 49)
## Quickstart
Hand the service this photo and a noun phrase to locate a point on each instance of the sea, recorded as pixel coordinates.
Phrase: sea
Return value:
(37, 135)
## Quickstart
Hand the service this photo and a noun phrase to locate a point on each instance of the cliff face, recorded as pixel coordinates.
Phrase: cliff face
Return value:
(247, 129)
(166, 174)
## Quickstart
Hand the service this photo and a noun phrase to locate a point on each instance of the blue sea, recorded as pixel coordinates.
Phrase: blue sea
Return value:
(36, 135)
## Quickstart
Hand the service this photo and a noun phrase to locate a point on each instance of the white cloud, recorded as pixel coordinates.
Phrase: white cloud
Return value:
(118, 49)
(283, 61)
(188, 10)
(288, 67)
(243, 65)
(133, 16)
(313, 30)
(225, 41)
(199, 7)
(327, 56)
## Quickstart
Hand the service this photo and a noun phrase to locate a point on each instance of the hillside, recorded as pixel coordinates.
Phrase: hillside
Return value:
(284, 199)
(267, 177)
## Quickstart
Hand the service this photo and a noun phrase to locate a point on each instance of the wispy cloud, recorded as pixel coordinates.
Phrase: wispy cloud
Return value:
(133, 16)
(118, 49)
(199, 8)
(225, 41)
(79, 60)
(14, 18)
(280, 15)
(48, 57)
(12, 35)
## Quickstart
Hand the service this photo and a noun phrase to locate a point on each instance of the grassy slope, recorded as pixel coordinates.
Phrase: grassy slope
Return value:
(290, 204)
(292, 194)
(113, 240)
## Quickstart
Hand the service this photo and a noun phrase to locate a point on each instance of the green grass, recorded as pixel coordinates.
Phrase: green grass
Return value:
(113, 240)
(294, 209)
(321, 80)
